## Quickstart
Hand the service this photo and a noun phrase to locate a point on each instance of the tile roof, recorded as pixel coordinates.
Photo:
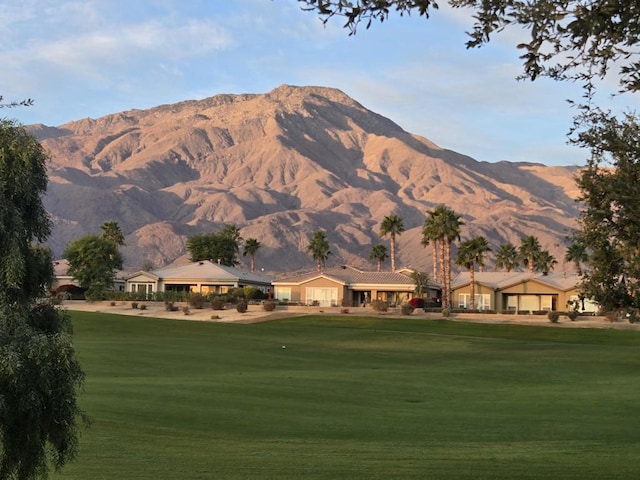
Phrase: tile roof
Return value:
(502, 280)
(207, 270)
(349, 276)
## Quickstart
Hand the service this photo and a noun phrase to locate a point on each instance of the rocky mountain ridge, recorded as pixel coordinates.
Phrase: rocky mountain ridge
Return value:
(281, 165)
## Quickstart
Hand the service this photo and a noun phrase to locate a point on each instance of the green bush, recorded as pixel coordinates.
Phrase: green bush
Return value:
(573, 314)
(241, 306)
(269, 306)
(446, 312)
(553, 316)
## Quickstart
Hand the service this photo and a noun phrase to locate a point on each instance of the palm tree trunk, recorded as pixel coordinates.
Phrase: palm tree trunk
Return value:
(442, 270)
(253, 263)
(379, 264)
(472, 276)
(530, 264)
(447, 272)
(393, 252)
(434, 253)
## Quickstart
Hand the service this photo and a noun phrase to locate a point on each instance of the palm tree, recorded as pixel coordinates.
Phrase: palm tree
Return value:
(544, 262)
(251, 247)
(421, 280)
(430, 235)
(379, 253)
(392, 225)
(507, 256)
(112, 232)
(319, 248)
(529, 250)
(470, 254)
(577, 254)
(451, 223)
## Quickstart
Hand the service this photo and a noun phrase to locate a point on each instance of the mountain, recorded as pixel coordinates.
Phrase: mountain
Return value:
(281, 165)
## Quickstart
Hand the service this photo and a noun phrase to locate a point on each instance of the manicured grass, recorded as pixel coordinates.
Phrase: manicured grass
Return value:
(352, 398)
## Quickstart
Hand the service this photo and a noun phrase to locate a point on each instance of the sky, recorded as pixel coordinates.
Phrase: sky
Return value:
(89, 58)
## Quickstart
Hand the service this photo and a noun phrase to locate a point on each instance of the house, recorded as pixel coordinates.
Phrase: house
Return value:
(516, 291)
(200, 277)
(347, 286)
(61, 276)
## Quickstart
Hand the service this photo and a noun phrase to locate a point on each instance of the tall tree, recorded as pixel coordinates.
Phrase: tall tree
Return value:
(421, 279)
(112, 232)
(507, 257)
(39, 373)
(573, 40)
(379, 253)
(431, 236)
(545, 262)
(393, 226)
(451, 225)
(93, 261)
(222, 246)
(471, 253)
(577, 254)
(319, 248)
(251, 247)
(609, 225)
(528, 251)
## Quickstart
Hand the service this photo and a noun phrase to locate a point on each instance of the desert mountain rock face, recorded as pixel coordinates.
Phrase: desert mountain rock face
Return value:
(280, 166)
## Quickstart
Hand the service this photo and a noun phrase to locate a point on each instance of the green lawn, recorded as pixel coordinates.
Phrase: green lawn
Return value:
(355, 398)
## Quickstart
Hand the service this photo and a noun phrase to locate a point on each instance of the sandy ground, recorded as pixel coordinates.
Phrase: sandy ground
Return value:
(256, 313)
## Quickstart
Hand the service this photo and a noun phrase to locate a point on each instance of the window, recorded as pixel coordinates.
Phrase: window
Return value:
(325, 296)
(283, 294)
(482, 301)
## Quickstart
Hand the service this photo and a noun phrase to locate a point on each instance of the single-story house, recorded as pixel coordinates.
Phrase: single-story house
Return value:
(61, 276)
(199, 277)
(347, 286)
(516, 291)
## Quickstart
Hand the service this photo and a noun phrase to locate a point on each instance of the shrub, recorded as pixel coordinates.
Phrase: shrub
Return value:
(573, 314)
(344, 310)
(215, 317)
(241, 306)
(446, 312)
(218, 303)
(143, 307)
(553, 316)
(417, 302)
(269, 306)
(379, 306)
(134, 304)
(186, 310)
(196, 300)
(407, 308)
(113, 304)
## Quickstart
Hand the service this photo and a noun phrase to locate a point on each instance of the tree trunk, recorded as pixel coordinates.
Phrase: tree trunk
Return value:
(447, 271)
(393, 252)
(442, 280)
(472, 296)
(379, 264)
(434, 253)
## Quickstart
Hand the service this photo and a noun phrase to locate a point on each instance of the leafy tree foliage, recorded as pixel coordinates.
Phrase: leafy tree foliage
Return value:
(421, 280)
(319, 248)
(379, 253)
(568, 40)
(93, 261)
(39, 373)
(393, 226)
(609, 225)
(528, 252)
(222, 246)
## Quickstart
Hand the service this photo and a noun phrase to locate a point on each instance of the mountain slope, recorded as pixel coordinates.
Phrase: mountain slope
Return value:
(279, 166)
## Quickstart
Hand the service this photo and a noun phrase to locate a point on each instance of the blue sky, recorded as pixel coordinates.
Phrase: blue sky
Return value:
(88, 58)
